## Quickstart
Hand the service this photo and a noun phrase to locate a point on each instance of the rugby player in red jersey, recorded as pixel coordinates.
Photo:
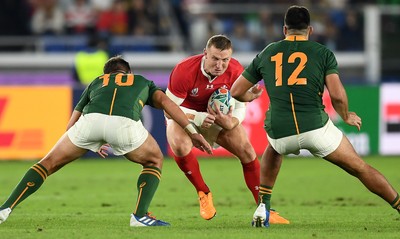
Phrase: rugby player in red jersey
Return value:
(191, 84)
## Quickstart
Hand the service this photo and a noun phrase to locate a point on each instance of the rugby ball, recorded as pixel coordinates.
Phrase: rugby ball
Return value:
(220, 99)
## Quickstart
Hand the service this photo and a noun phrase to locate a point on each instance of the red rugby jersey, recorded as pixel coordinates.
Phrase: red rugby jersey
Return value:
(188, 82)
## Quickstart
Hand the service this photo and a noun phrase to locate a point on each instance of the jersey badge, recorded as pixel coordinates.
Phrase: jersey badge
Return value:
(194, 92)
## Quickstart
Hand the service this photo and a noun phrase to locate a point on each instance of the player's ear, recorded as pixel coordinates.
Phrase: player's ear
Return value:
(310, 30)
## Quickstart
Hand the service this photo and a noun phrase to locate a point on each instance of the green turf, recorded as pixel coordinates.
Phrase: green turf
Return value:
(93, 199)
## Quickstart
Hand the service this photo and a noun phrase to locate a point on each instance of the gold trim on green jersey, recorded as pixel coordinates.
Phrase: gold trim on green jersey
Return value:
(112, 101)
(296, 38)
(294, 113)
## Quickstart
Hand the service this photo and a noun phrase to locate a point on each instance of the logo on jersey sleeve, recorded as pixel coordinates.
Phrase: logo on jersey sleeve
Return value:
(194, 92)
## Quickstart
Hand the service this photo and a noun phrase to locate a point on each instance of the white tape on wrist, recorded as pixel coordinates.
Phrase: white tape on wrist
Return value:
(190, 129)
(199, 118)
(195, 117)
(239, 110)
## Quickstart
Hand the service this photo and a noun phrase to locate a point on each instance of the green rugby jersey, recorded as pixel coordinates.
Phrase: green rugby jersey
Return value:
(117, 94)
(293, 71)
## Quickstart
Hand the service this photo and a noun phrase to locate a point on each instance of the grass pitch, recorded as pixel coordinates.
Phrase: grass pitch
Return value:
(94, 198)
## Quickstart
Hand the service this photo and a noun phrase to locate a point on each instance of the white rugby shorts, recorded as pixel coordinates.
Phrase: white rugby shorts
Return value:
(210, 134)
(320, 142)
(93, 130)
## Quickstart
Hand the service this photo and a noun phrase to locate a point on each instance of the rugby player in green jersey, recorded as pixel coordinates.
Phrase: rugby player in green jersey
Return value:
(108, 112)
(295, 71)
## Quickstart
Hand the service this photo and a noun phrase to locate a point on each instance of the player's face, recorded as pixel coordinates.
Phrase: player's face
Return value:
(216, 61)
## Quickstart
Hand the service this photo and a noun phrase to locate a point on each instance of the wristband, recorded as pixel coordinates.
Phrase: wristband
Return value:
(190, 129)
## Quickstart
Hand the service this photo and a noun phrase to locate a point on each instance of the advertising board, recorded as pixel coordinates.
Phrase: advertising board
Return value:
(32, 119)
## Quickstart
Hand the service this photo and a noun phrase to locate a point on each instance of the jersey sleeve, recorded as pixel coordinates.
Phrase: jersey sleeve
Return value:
(84, 100)
(331, 63)
(251, 72)
(178, 83)
(152, 88)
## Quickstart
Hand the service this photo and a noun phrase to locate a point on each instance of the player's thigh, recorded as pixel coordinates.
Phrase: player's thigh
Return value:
(147, 154)
(237, 142)
(178, 139)
(346, 157)
(63, 152)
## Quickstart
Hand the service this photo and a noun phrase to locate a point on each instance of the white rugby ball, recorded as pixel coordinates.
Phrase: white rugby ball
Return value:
(221, 99)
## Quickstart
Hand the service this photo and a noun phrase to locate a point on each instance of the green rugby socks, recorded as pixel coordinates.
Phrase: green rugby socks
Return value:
(396, 203)
(31, 182)
(264, 195)
(147, 185)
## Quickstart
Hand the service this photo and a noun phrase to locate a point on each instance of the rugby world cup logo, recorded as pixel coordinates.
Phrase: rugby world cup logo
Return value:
(194, 92)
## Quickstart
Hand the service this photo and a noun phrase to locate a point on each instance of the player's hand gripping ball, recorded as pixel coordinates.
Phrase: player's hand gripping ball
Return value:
(220, 98)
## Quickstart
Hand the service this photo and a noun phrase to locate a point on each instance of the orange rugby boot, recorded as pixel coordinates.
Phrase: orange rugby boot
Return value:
(207, 209)
(274, 218)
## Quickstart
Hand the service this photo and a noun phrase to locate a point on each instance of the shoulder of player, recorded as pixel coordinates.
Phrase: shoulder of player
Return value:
(138, 77)
(195, 59)
(317, 44)
(272, 47)
(320, 49)
(189, 64)
(234, 62)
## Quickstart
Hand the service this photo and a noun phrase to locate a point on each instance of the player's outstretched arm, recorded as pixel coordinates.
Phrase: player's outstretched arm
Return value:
(245, 91)
(161, 101)
(200, 119)
(74, 117)
(339, 100)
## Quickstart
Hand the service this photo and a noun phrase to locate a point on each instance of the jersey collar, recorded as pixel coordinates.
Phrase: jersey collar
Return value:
(204, 71)
(296, 38)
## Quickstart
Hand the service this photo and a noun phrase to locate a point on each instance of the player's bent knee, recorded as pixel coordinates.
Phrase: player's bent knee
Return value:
(151, 158)
(181, 147)
(153, 162)
(248, 149)
(245, 153)
(181, 151)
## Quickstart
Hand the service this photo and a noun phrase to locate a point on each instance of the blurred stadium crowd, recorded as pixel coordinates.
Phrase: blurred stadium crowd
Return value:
(171, 25)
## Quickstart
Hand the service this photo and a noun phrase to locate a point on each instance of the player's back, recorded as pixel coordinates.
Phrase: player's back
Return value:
(294, 73)
(118, 94)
